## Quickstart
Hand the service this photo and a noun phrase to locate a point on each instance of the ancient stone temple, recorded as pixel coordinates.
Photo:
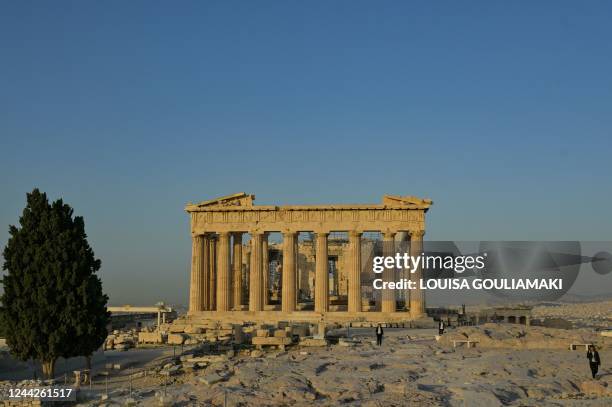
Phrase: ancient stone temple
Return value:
(314, 279)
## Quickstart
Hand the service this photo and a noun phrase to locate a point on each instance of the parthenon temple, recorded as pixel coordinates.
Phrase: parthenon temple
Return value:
(321, 270)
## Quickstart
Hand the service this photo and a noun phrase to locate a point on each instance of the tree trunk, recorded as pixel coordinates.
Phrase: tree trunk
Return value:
(48, 367)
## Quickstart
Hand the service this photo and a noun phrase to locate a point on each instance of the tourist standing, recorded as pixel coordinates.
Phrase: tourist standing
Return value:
(441, 328)
(379, 335)
(594, 361)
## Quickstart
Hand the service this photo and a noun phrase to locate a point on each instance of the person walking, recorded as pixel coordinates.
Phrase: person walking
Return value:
(594, 360)
(379, 335)
(440, 327)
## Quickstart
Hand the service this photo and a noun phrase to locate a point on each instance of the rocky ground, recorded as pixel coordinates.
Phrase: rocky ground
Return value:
(515, 336)
(411, 368)
(511, 365)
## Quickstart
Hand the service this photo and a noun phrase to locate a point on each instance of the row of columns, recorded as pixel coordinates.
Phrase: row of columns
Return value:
(224, 296)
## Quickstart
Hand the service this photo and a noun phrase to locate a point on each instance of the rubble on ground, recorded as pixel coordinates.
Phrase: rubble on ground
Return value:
(520, 337)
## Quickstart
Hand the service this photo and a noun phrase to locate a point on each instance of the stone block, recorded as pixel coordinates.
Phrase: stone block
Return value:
(207, 359)
(124, 339)
(280, 333)
(347, 342)
(176, 339)
(313, 342)
(271, 341)
(263, 333)
(150, 337)
(211, 379)
(174, 329)
(193, 330)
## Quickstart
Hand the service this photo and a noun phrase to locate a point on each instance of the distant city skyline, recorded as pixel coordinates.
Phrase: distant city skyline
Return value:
(501, 113)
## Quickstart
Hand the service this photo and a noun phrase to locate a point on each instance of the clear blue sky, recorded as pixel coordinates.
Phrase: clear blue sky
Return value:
(501, 112)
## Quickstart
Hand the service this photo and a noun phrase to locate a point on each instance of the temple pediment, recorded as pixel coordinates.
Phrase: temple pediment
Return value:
(407, 201)
(239, 199)
(244, 201)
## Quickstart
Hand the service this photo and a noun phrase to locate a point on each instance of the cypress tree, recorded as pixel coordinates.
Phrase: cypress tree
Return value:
(53, 305)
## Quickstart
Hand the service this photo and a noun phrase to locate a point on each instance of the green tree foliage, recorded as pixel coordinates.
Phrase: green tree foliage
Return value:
(53, 305)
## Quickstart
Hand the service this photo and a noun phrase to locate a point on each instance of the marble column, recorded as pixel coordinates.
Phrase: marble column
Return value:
(206, 274)
(417, 296)
(247, 280)
(402, 239)
(198, 284)
(237, 271)
(256, 273)
(289, 272)
(212, 274)
(388, 295)
(321, 275)
(354, 274)
(223, 272)
(265, 270)
(335, 288)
